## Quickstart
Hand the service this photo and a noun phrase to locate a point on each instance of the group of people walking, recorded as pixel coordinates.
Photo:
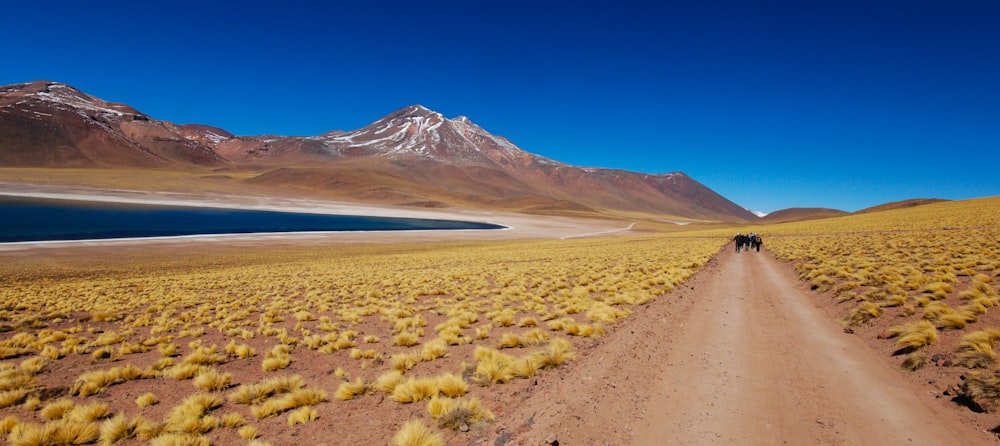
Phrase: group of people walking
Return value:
(746, 242)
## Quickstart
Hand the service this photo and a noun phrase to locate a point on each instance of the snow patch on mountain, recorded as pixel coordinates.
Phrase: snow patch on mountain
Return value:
(74, 99)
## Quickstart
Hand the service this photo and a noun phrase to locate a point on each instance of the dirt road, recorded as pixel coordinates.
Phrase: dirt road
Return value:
(738, 355)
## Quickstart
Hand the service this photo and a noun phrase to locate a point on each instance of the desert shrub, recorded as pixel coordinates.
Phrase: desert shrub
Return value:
(914, 335)
(975, 350)
(862, 313)
(914, 361)
(984, 391)
(416, 433)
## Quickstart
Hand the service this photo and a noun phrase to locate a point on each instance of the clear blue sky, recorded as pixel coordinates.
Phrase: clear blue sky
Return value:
(841, 104)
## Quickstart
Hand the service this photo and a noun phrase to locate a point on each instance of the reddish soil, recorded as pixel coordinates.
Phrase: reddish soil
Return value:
(740, 354)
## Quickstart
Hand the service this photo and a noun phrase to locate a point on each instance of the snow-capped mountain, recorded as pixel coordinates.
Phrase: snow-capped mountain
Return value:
(413, 155)
(52, 124)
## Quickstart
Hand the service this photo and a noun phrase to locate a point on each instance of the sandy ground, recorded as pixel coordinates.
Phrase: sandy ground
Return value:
(519, 226)
(739, 354)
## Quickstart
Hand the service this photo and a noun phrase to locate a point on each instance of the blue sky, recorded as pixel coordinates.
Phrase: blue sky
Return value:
(773, 104)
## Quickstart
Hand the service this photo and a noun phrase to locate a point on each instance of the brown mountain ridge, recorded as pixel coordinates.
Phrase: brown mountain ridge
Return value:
(411, 156)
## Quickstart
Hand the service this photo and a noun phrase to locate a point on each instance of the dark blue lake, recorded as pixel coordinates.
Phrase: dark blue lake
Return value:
(32, 219)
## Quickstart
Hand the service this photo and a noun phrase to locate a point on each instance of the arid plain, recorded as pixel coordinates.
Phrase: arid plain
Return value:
(863, 329)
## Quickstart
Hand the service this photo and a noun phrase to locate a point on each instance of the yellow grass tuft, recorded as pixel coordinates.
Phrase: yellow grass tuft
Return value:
(189, 416)
(8, 424)
(862, 313)
(302, 415)
(939, 290)
(510, 340)
(248, 432)
(416, 433)
(63, 432)
(984, 390)
(404, 361)
(185, 371)
(483, 332)
(406, 339)
(453, 413)
(822, 283)
(452, 385)
(602, 312)
(33, 366)
(914, 361)
(256, 393)
(205, 356)
(242, 351)
(147, 399)
(350, 390)
(975, 350)
(388, 381)
(56, 409)
(292, 400)
(147, 429)
(233, 420)
(435, 349)
(415, 389)
(116, 429)
(492, 367)
(88, 413)
(278, 358)
(180, 439)
(95, 382)
(212, 380)
(914, 335)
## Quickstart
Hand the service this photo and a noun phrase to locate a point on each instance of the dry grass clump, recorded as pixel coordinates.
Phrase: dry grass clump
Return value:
(914, 361)
(452, 413)
(190, 417)
(256, 393)
(56, 409)
(975, 350)
(387, 382)
(288, 401)
(415, 389)
(984, 391)
(242, 351)
(146, 399)
(205, 356)
(278, 358)
(302, 415)
(118, 428)
(350, 390)
(864, 312)
(416, 433)
(212, 380)
(494, 367)
(58, 432)
(914, 335)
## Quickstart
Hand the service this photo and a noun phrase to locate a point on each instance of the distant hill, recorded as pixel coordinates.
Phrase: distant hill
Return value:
(409, 157)
(801, 214)
(901, 204)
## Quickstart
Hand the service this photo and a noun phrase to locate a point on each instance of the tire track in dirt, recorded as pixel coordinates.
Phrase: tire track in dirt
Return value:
(738, 355)
(761, 365)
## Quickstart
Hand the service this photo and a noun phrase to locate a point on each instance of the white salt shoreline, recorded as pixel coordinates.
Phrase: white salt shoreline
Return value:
(517, 226)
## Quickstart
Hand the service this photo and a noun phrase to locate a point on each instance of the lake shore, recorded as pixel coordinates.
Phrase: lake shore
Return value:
(519, 226)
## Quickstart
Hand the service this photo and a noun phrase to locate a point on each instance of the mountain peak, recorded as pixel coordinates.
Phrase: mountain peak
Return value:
(414, 111)
(65, 97)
